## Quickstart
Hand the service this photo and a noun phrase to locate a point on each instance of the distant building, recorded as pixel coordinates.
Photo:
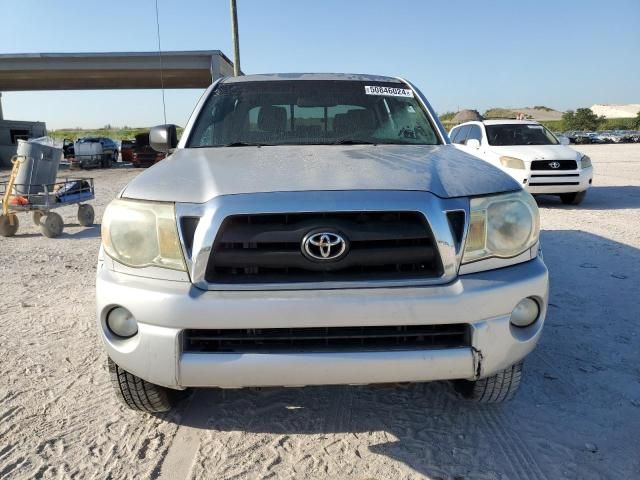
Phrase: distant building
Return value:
(13, 130)
(628, 110)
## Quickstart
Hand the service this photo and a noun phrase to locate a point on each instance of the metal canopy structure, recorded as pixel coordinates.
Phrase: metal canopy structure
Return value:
(116, 70)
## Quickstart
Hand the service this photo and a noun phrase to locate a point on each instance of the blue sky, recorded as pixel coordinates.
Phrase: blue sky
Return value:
(467, 54)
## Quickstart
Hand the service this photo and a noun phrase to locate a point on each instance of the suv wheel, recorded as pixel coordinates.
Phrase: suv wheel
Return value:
(138, 394)
(498, 388)
(575, 198)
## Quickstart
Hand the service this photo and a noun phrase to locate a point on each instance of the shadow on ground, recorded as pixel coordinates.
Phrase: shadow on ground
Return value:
(598, 198)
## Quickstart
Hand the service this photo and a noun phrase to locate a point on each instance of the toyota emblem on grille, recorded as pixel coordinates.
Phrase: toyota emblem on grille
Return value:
(324, 246)
(554, 164)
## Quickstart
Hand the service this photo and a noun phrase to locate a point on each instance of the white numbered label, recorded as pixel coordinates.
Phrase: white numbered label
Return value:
(387, 91)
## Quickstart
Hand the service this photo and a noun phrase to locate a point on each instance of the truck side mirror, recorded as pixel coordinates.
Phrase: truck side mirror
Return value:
(163, 138)
(563, 140)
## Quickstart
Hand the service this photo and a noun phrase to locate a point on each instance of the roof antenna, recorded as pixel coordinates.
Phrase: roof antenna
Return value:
(164, 106)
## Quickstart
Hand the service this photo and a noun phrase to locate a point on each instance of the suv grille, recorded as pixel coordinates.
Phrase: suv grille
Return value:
(267, 248)
(545, 165)
(327, 339)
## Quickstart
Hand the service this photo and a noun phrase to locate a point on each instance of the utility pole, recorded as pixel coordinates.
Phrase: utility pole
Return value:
(235, 38)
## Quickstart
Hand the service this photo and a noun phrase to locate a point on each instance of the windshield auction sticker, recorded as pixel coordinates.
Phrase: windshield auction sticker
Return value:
(387, 91)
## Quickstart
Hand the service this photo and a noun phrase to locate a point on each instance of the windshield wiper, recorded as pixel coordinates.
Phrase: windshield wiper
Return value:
(233, 144)
(353, 142)
(243, 144)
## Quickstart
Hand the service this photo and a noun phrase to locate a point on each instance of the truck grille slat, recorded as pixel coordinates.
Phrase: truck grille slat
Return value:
(327, 339)
(267, 248)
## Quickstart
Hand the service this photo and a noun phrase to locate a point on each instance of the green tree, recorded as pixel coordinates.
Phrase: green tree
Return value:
(581, 119)
(447, 116)
(636, 122)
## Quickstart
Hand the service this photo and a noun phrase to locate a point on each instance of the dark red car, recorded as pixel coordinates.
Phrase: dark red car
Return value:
(143, 155)
(126, 150)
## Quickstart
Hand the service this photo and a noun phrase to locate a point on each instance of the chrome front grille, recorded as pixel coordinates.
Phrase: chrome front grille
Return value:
(267, 248)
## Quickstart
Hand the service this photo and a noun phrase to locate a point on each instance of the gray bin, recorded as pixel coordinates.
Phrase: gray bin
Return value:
(39, 166)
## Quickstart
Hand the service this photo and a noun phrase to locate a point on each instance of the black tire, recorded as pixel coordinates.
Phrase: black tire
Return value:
(8, 225)
(498, 388)
(86, 215)
(51, 225)
(138, 394)
(575, 198)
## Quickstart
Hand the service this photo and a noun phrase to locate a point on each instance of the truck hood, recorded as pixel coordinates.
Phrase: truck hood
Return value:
(196, 175)
(538, 152)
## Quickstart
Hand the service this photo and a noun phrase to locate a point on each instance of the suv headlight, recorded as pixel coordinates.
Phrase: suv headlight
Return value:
(142, 234)
(501, 226)
(585, 161)
(512, 162)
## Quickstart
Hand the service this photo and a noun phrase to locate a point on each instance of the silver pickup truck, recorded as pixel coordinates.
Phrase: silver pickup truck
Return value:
(313, 229)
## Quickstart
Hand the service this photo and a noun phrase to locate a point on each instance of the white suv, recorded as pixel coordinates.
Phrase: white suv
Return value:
(529, 153)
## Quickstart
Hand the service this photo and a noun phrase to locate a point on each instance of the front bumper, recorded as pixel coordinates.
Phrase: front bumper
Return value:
(540, 182)
(164, 308)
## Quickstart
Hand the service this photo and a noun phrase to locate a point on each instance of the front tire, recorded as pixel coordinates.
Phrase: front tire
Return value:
(51, 225)
(497, 388)
(138, 394)
(574, 198)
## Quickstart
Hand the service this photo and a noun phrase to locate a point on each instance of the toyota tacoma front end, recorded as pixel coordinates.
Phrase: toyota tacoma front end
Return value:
(317, 229)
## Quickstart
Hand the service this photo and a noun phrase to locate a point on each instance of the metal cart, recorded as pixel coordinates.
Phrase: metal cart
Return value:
(17, 198)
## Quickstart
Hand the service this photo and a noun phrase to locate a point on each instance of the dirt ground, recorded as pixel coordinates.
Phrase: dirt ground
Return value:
(577, 415)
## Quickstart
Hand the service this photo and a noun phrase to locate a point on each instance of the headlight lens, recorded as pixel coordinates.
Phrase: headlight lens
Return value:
(142, 234)
(501, 226)
(512, 162)
(585, 161)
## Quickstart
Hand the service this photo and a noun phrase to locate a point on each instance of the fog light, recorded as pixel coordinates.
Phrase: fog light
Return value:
(122, 323)
(525, 313)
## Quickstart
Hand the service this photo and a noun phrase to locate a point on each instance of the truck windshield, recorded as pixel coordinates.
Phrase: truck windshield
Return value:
(519, 134)
(310, 112)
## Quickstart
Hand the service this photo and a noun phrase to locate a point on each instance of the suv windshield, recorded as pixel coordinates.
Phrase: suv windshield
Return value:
(519, 134)
(310, 112)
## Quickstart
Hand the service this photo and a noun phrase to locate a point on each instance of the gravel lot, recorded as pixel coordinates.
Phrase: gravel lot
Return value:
(577, 415)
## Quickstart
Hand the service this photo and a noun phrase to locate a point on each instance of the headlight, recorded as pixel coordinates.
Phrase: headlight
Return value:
(512, 162)
(501, 226)
(585, 161)
(142, 234)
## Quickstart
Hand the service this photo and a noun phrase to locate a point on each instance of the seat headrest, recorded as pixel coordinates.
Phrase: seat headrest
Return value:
(353, 121)
(272, 119)
(363, 119)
